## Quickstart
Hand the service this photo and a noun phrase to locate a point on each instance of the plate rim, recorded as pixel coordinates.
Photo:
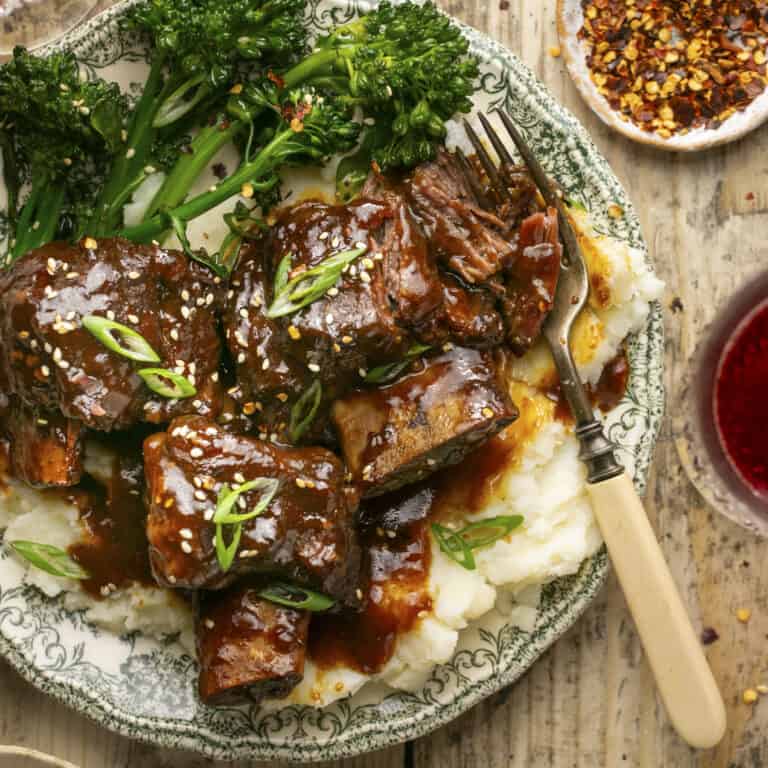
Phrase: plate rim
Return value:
(368, 737)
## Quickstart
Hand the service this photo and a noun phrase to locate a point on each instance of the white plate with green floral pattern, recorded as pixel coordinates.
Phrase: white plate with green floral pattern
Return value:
(146, 689)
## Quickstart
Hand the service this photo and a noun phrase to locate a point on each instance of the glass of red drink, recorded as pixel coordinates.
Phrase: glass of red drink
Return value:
(720, 420)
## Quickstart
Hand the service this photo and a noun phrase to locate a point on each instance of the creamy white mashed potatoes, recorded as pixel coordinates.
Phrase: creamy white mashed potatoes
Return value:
(542, 479)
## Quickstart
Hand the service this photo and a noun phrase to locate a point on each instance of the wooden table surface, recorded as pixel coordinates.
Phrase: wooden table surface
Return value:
(589, 702)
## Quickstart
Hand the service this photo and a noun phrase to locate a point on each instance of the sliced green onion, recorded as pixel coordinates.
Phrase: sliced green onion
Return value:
(309, 286)
(454, 546)
(121, 339)
(572, 202)
(296, 597)
(459, 545)
(49, 559)
(167, 383)
(225, 553)
(228, 496)
(486, 532)
(385, 373)
(304, 411)
(281, 273)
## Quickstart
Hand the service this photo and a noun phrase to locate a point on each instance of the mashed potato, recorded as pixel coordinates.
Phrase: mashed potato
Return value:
(542, 480)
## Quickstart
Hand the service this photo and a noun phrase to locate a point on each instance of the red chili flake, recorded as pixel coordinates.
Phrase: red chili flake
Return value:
(276, 79)
(671, 66)
(750, 195)
(219, 170)
(504, 5)
(709, 635)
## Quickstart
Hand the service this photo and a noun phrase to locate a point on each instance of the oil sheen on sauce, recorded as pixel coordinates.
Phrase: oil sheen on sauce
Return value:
(740, 403)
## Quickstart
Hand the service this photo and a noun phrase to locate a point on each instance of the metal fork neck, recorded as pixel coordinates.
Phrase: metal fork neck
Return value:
(597, 452)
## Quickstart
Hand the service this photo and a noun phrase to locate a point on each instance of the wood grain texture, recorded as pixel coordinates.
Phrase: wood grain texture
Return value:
(589, 702)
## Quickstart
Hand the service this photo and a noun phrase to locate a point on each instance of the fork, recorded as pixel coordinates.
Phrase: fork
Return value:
(688, 689)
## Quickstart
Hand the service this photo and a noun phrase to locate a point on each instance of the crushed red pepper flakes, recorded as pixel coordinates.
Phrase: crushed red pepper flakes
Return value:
(670, 66)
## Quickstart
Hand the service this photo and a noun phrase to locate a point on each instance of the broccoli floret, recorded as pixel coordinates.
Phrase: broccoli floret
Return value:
(57, 132)
(406, 66)
(200, 50)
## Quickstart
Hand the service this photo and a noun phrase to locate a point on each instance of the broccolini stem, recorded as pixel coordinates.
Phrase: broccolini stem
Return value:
(133, 156)
(210, 140)
(269, 157)
(39, 219)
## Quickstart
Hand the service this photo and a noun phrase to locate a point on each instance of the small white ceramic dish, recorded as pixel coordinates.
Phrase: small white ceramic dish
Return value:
(570, 19)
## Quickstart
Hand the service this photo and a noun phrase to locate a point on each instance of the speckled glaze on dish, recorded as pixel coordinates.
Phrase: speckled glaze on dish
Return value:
(146, 689)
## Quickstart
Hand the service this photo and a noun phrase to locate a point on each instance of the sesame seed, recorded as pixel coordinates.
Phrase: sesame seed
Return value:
(51, 265)
(200, 495)
(368, 263)
(196, 453)
(241, 357)
(447, 347)
(365, 277)
(56, 355)
(185, 533)
(71, 315)
(265, 364)
(171, 579)
(335, 242)
(323, 236)
(47, 347)
(185, 312)
(209, 624)
(149, 169)
(314, 367)
(212, 188)
(43, 422)
(378, 256)
(329, 318)
(72, 275)
(215, 376)
(110, 315)
(197, 404)
(63, 364)
(130, 153)
(209, 513)
(186, 547)
(239, 477)
(174, 334)
(134, 275)
(133, 319)
(363, 373)
(359, 593)
(360, 244)
(333, 291)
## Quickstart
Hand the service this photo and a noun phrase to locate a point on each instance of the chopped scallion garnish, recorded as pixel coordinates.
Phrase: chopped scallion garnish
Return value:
(121, 339)
(225, 553)
(460, 545)
(49, 559)
(282, 272)
(229, 496)
(386, 373)
(304, 411)
(296, 597)
(166, 383)
(311, 285)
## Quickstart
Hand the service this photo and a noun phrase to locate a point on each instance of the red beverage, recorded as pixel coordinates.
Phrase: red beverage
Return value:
(741, 400)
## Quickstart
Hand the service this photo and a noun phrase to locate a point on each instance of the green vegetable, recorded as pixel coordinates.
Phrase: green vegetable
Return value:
(311, 285)
(229, 496)
(121, 339)
(49, 559)
(225, 553)
(282, 272)
(454, 546)
(405, 66)
(166, 383)
(304, 411)
(200, 51)
(383, 374)
(325, 129)
(460, 545)
(296, 597)
(57, 133)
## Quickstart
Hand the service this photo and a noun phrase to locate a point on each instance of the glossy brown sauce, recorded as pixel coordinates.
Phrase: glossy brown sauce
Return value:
(605, 395)
(114, 549)
(397, 570)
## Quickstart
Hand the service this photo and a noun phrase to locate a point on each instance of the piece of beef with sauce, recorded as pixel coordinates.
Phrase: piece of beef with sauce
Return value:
(47, 448)
(248, 648)
(306, 534)
(531, 277)
(51, 362)
(370, 317)
(444, 408)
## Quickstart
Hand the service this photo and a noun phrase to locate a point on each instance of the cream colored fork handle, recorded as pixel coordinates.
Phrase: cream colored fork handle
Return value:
(683, 677)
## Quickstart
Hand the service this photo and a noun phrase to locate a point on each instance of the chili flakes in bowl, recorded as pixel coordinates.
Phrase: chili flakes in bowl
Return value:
(671, 66)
